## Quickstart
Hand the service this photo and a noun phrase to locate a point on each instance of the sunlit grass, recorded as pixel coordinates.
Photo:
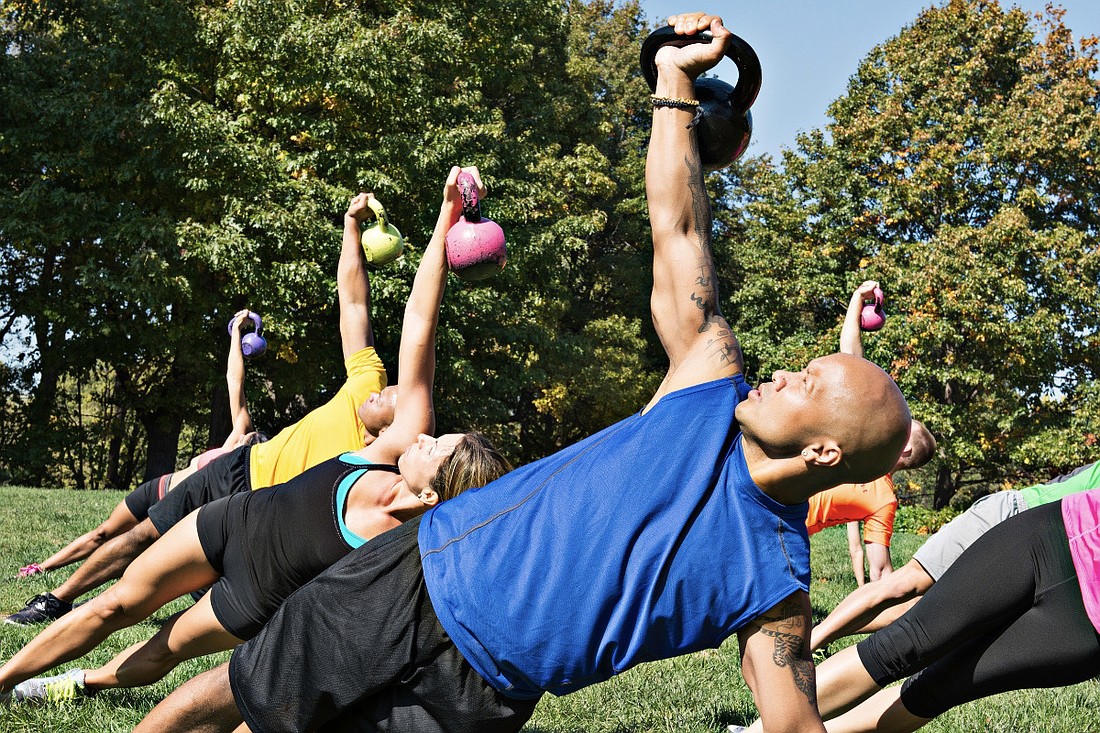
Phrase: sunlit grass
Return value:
(698, 692)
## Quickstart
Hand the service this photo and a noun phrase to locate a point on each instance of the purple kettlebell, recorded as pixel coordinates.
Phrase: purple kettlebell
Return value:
(252, 343)
(872, 317)
(475, 245)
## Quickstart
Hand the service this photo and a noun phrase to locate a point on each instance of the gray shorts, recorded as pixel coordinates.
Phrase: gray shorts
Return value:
(944, 547)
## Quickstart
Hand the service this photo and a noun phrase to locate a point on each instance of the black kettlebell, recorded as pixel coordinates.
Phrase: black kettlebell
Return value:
(725, 126)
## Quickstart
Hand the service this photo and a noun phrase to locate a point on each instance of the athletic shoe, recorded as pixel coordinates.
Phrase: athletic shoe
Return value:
(736, 728)
(28, 570)
(39, 610)
(62, 688)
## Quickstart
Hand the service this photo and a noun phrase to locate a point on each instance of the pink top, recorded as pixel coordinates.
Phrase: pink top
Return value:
(1081, 514)
(210, 455)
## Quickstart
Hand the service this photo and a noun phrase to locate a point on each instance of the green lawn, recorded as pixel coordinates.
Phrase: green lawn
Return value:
(699, 692)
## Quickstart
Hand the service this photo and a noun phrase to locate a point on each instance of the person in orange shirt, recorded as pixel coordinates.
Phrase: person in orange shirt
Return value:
(354, 417)
(872, 503)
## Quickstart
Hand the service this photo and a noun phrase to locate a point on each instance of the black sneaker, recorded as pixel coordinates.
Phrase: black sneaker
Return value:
(39, 610)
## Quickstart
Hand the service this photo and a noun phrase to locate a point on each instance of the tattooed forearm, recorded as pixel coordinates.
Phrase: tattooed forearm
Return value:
(787, 624)
(700, 202)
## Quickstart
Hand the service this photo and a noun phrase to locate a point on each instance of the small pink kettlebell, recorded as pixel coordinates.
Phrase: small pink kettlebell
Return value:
(872, 317)
(475, 245)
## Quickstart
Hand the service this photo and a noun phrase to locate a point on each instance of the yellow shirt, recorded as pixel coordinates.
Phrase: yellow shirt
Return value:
(330, 430)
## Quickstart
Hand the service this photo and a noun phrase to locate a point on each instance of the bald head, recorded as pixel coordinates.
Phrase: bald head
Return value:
(842, 414)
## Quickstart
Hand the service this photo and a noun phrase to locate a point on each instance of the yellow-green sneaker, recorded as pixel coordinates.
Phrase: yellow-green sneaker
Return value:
(62, 688)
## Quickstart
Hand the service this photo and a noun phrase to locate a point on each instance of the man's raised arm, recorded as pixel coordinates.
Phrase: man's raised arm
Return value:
(696, 337)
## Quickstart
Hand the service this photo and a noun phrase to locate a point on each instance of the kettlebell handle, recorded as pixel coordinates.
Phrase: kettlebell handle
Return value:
(471, 202)
(379, 211)
(740, 52)
(256, 321)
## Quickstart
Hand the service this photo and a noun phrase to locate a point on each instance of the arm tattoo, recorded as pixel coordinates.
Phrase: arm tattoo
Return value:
(790, 646)
(706, 297)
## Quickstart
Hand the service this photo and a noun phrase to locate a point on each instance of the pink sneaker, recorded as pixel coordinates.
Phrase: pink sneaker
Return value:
(29, 570)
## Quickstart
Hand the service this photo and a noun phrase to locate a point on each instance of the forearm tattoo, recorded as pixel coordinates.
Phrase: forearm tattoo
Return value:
(787, 627)
(705, 296)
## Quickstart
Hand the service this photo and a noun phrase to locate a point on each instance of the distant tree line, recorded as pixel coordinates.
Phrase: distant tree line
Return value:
(164, 164)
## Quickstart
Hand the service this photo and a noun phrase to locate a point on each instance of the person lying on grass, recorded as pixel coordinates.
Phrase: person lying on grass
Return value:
(256, 548)
(135, 506)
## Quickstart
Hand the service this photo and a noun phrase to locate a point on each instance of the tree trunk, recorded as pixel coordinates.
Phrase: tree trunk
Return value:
(221, 422)
(945, 488)
(163, 434)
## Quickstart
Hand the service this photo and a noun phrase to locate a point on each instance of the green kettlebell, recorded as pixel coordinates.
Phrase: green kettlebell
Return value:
(382, 243)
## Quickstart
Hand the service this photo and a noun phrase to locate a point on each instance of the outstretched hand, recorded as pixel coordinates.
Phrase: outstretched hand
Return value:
(695, 58)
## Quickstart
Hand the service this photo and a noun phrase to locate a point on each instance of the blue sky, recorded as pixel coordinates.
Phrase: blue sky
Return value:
(809, 48)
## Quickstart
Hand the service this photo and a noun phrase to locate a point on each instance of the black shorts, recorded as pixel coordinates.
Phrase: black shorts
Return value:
(360, 649)
(223, 476)
(141, 499)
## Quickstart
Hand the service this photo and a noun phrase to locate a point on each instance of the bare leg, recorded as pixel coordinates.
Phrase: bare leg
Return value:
(108, 562)
(842, 681)
(121, 520)
(878, 560)
(884, 712)
(865, 603)
(175, 567)
(203, 705)
(855, 551)
(189, 634)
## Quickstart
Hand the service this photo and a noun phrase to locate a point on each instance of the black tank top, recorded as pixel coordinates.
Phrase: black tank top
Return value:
(282, 537)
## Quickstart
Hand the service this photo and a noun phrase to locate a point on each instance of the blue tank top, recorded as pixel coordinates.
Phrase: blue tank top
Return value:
(644, 541)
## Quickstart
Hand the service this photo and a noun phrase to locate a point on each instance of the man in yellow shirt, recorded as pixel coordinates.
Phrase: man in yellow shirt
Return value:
(354, 417)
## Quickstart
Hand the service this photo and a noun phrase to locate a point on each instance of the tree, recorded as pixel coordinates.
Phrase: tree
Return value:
(960, 168)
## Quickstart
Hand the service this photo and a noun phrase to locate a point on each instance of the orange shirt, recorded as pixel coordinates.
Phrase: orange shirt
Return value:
(873, 503)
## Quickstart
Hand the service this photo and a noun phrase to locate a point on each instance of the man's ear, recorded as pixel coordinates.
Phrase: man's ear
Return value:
(826, 454)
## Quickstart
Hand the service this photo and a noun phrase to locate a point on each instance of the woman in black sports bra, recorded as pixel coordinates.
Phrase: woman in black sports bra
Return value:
(256, 548)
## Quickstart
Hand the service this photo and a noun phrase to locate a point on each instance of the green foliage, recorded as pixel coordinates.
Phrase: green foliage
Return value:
(169, 164)
(921, 520)
(959, 170)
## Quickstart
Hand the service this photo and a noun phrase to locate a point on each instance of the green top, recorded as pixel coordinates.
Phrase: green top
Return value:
(1082, 479)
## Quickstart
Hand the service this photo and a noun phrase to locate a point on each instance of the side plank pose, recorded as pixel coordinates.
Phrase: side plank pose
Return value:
(135, 506)
(660, 535)
(877, 604)
(356, 415)
(1019, 609)
(256, 548)
(872, 502)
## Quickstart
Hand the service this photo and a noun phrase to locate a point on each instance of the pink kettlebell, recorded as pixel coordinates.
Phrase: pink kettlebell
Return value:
(872, 317)
(475, 245)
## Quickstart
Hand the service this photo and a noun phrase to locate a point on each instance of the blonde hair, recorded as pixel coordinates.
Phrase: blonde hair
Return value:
(474, 462)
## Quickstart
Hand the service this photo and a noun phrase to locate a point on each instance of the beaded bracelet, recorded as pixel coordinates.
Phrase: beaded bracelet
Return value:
(680, 103)
(674, 102)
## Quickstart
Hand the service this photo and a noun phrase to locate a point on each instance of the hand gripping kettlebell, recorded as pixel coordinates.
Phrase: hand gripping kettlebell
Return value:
(252, 343)
(475, 245)
(382, 243)
(872, 317)
(725, 127)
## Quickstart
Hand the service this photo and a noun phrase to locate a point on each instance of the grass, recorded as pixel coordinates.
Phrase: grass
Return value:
(698, 692)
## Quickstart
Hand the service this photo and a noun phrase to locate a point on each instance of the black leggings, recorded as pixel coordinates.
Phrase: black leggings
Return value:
(1007, 615)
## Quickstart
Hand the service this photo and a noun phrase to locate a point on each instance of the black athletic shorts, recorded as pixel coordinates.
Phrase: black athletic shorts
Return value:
(223, 476)
(141, 499)
(360, 649)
